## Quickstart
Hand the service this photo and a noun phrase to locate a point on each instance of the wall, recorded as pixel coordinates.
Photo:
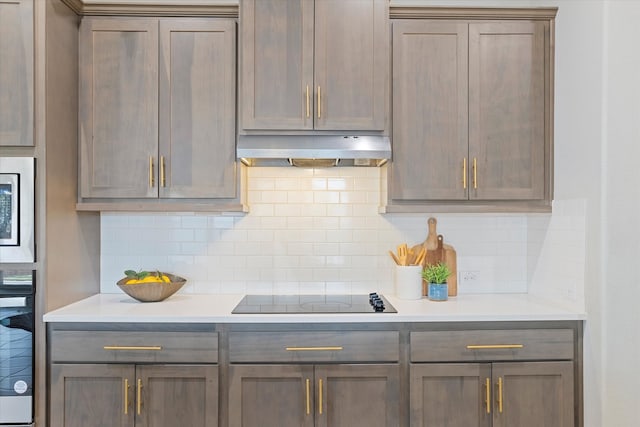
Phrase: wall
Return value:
(621, 245)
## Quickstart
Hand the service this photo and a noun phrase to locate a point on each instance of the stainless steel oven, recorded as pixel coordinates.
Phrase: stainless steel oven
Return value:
(17, 213)
(17, 322)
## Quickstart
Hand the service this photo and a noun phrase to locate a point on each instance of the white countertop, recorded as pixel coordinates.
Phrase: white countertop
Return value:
(214, 308)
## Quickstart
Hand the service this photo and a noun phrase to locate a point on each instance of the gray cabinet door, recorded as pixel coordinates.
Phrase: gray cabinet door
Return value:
(507, 110)
(523, 394)
(271, 396)
(351, 64)
(197, 109)
(533, 394)
(118, 107)
(314, 65)
(320, 395)
(450, 395)
(98, 395)
(16, 72)
(177, 395)
(357, 395)
(86, 395)
(277, 64)
(430, 111)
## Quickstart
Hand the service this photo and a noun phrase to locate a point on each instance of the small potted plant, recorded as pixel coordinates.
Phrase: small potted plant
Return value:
(436, 277)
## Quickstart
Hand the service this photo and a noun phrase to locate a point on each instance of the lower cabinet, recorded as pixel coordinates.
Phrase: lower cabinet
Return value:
(313, 395)
(133, 375)
(523, 394)
(377, 374)
(493, 378)
(86, 395)
(316, 377)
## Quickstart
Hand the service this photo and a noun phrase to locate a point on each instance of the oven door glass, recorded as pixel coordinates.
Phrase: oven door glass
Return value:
(16, 348)
(9, 209)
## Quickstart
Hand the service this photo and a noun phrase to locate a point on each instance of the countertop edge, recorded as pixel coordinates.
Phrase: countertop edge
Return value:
(213, 308)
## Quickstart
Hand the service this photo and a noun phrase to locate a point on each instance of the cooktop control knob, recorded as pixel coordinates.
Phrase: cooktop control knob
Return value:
(376, 302)
(372, 297)
(378, 305)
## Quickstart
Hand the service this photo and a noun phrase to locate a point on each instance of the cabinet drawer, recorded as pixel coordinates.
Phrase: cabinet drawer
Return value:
(295, 347)
(489, 345)
(134, 346)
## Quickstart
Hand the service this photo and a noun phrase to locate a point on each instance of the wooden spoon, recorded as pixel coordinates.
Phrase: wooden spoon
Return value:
(395, 258)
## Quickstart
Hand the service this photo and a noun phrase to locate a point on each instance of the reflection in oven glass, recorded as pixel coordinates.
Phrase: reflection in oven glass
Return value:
(15, 351)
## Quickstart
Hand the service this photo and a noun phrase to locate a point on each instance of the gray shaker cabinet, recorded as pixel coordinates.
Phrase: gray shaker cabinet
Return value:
(313, 395)
(314, 378)
(146, 376)
(309, 64)
(492, 378)
(16, 73)
(524, 394)
(157, 108)
(472, 114)
(86, 395)
(451, 374)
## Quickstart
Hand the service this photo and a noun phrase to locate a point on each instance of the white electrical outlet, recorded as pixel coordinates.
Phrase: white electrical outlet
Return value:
(469, 277)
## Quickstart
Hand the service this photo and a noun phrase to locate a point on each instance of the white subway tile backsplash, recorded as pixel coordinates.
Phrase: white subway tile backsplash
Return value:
(319, 231)
(353, 197)
(318, 183)
(326, 197)
(344, 183)
(339, 210)
(299, 196)
(220, 222)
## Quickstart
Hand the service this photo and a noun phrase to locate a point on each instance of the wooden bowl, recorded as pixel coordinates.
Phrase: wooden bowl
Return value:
(152, 291)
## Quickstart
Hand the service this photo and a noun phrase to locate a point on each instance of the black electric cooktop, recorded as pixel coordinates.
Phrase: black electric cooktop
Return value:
(296, 304)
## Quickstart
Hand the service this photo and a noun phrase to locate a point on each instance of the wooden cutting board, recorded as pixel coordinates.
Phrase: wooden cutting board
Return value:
(438, 251)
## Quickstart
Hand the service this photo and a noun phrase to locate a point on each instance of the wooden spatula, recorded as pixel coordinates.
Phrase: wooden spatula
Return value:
(403, 253)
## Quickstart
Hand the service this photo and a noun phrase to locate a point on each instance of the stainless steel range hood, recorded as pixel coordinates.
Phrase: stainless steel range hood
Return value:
(313, 150)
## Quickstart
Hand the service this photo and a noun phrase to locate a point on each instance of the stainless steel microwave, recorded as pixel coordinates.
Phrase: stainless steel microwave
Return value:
(17, 209)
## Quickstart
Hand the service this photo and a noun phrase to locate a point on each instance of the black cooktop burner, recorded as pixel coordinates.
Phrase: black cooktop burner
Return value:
(292, 304)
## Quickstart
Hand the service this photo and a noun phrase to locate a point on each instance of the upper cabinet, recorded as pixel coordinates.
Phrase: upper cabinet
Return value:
(313, 65)
(472, 115)
(16, 73)
(157, 110)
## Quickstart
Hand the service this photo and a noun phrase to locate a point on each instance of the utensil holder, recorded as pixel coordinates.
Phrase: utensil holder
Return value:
(408, 281)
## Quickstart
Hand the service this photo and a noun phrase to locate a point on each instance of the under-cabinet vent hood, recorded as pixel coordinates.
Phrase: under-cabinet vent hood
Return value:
(313, 150)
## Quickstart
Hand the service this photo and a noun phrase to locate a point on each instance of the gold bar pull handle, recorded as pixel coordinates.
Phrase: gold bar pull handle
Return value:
(320, 396)
(308, 104)
(308, 400)
(334, 348)
(464, 173)
(475, 173)
(151, 183)
(494, 346)
(132, 347)
(163, 181)
(139, 397)
(500, 394)
(126, 396)
(487, 386)
(319, 103)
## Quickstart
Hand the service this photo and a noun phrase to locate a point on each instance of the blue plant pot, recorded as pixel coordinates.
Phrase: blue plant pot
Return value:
(438, 291)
